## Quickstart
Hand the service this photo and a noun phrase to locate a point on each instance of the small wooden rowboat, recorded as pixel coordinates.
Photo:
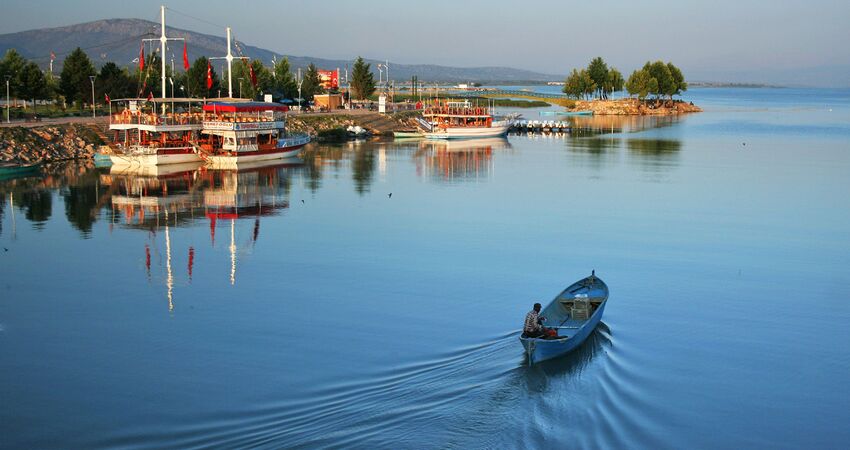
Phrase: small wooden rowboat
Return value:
(574, 314)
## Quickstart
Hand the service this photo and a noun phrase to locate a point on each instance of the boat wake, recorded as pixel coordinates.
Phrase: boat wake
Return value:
(478, 395)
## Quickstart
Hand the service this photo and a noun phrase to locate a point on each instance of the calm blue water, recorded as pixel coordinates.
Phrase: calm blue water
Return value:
(302, 306)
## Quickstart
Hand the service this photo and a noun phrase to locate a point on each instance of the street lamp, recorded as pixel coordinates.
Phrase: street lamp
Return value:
(93, 111)
(8, 77)
(300, 81)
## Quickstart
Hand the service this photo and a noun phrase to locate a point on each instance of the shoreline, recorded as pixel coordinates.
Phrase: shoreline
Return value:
(635, 107)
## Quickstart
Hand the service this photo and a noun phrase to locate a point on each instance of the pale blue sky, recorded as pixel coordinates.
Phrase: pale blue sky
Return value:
(708, 39)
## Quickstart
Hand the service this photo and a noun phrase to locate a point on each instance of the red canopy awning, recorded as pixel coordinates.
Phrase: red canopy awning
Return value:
(244, 107)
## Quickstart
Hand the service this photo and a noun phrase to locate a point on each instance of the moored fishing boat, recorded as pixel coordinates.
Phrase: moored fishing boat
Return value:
(462, 120)
(573, 314)
(13, 170)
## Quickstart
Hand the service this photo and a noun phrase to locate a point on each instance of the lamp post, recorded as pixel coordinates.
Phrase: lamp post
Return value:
(93, 111)
(300, 80)
(8, 77)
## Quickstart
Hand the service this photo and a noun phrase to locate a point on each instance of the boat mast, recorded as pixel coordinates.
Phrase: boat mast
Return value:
(229, 58)
(162, 41)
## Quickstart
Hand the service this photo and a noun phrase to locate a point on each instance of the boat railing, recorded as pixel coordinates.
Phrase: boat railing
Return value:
(138, 118)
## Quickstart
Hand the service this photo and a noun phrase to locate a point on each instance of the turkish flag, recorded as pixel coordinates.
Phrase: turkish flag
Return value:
(209, 76)
(150, 96)
(185, 57)
(142, 57)
(106, 96)
(253, 75)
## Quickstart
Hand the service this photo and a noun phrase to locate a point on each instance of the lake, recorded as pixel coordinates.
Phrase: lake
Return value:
(303, 306)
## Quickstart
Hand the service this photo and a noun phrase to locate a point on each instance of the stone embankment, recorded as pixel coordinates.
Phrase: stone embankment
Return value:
(635, 107)
(333, 126)
(47, 143)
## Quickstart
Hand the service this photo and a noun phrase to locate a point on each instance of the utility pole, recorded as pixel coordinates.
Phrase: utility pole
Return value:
(93, 111)
(8, 77)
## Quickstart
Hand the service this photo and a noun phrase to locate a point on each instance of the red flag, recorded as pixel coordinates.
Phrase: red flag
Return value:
(253, 75)
(52, 56)
(185, 57)
(106, 96)
(209, 76)
(142, 57)
(150, 96)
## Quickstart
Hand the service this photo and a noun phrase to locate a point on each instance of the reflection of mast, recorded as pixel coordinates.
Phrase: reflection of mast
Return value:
(232, 251)
(191, 261)
(12, 209)
(169, 281)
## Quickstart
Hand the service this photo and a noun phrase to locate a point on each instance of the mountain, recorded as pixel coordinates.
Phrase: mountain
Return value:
(118, 40)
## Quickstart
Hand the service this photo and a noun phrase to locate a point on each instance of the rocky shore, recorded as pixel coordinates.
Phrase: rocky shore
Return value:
(48, 143)
(635, 107)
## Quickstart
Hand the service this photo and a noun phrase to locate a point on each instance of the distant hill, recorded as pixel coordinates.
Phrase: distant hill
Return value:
(118, 40)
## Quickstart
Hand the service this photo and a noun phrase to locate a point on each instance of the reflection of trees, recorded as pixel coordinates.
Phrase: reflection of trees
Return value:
(656, 147)
(37, 206)
(362, 168)
(81, 201)
(605, 124)
(655, 156)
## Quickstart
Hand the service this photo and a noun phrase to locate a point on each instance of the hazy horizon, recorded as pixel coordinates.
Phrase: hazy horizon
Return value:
(795, 42)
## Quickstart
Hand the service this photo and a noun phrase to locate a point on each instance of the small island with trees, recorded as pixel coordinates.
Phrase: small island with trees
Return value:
(650, 88)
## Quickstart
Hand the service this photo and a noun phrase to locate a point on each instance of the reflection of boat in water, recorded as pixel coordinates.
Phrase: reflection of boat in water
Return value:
(458, 160)
(574, 313)
(258, 165)
(467, 145)
(182, 198)
(154, 170)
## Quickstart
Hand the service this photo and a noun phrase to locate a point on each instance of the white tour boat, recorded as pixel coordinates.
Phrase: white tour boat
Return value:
(144, 136)
(461, 120)
(246, 132)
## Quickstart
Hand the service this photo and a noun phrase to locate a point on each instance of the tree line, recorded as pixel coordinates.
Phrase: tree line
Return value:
(599, 81)
(28, 82)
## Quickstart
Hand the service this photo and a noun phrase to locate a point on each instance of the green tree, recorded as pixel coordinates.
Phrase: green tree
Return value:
(74, 80)
(115, 82)
(284, 83)
(614, 82)
(196, 80)
(598, 71)
(678, 80)
(579, 84)
(33, 84)
(362, 79)
(573, 85)
(312, 84)
(12, 65)
(264, 79)
(641, 84)
(661, 73)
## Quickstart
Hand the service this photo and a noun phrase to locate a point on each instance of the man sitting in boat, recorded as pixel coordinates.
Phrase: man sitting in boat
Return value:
(533, 327)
